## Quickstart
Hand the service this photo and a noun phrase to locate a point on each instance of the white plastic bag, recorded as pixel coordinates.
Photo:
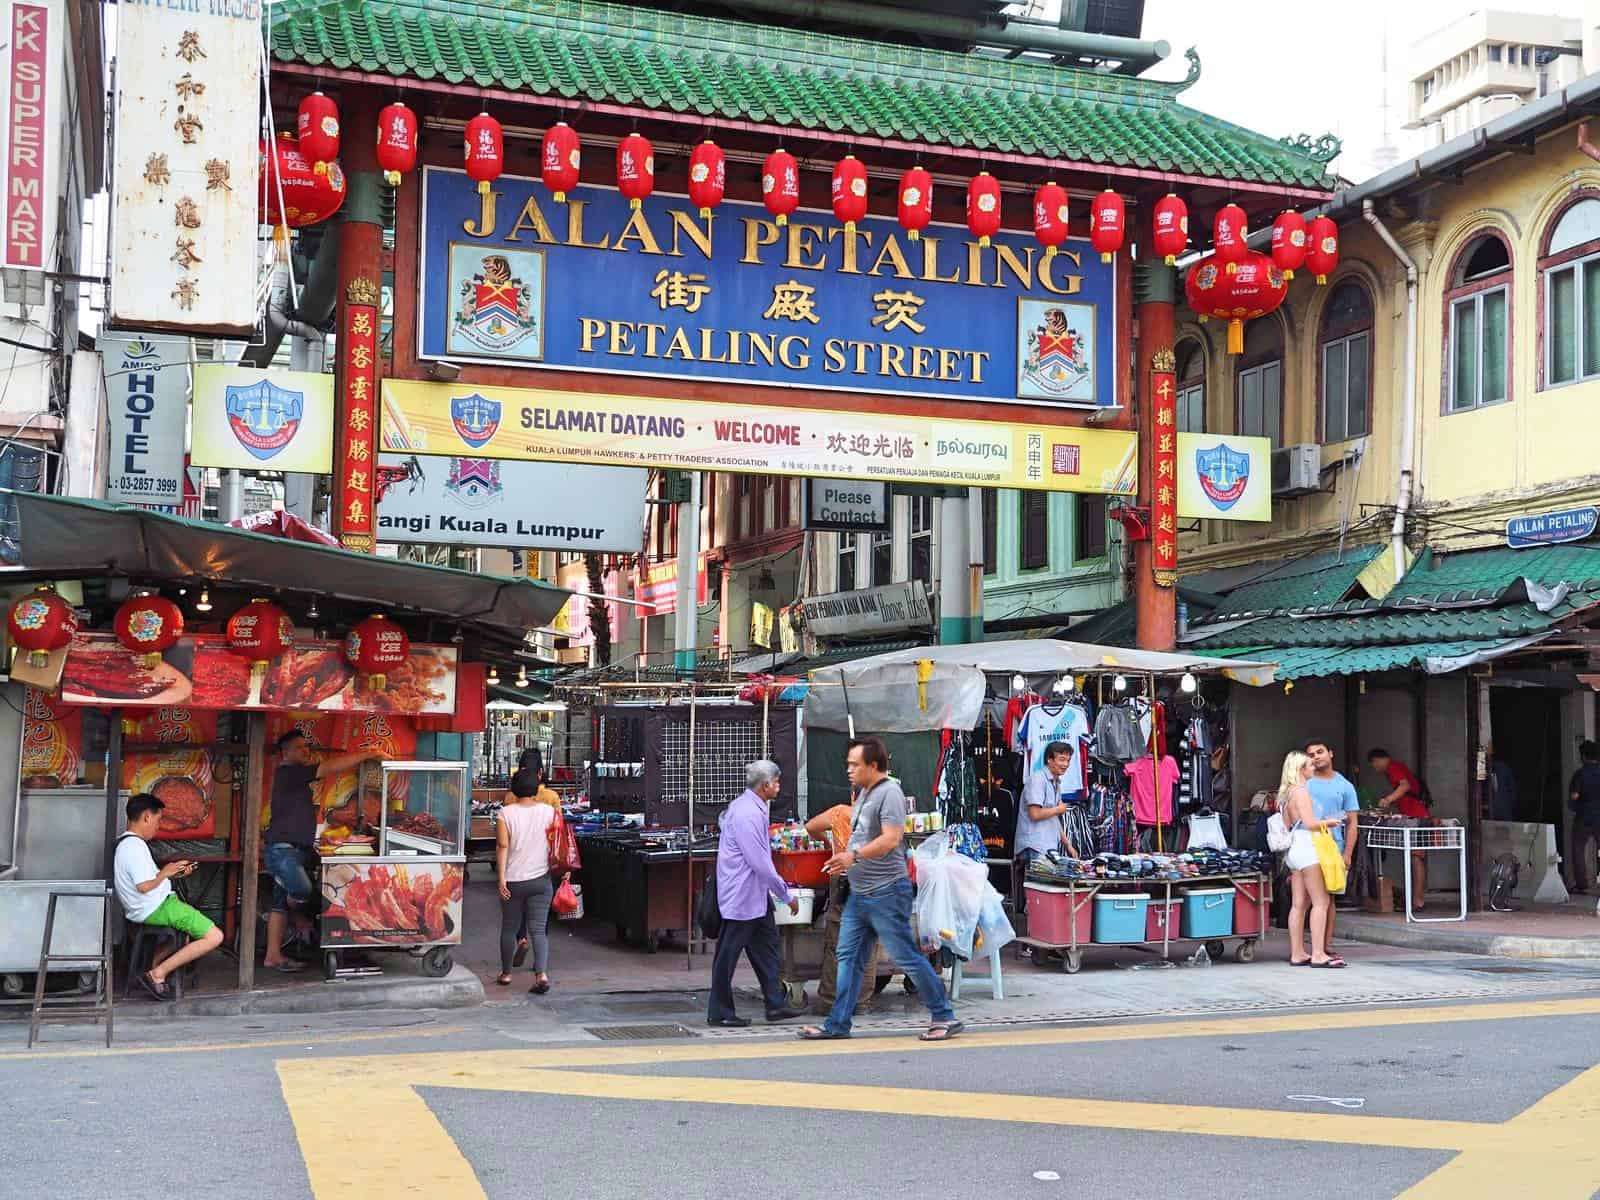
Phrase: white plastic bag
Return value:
(954, 897)
(994, 927)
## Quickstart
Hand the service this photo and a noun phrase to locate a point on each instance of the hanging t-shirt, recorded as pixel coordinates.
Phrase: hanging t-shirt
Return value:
(1143, 785)
(1043, 724)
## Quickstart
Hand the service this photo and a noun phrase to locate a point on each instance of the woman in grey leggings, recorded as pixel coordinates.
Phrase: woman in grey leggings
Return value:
(522, 858)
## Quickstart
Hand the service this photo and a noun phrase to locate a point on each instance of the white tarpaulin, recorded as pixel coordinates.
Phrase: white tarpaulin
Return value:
(942, 687)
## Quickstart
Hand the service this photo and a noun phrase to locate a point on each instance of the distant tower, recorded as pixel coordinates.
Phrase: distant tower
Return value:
(1387, 153)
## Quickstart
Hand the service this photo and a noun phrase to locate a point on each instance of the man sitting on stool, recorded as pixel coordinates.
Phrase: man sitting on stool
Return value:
(145, 894)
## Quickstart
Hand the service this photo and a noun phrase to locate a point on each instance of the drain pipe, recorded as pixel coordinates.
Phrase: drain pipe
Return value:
(1408, 407)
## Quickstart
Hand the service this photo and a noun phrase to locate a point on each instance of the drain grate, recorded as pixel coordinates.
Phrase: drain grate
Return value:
(638, 1033)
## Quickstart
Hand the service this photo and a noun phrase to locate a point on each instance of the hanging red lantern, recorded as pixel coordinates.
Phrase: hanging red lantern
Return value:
(148, 625)
(708, 176)
(1170, 228)
(260, 632)
(1229, 232)
(849, 191)
(1107, 224)
(915, 209)
(983, 207)
(636, 168)
(397, 142)
(375, 647)
(307, 196)
(485, 150)
(1255, 288)
(780, 185)
(318, 126)
(1050, 217)
(1289, 242)
(41, 623)
(560, 156)
(1322, 248)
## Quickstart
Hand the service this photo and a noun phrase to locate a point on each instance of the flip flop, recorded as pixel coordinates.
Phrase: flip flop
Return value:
(288, 966)
(503, 980)
(1335, 960)
(157, 989)
(812, 1033)
(540, 989)
(1299, 962)
(521, 956)
(941, 1032)
(1330, 965)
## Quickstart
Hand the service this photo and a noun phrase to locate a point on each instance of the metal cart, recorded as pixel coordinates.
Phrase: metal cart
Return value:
(1431, 839)
(409, 895)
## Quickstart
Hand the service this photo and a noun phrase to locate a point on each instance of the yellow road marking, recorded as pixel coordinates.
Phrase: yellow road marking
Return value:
(272, 1043)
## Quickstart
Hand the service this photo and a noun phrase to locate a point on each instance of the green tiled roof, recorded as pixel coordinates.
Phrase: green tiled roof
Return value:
(698, 66)
(1306, 662)
(1486, 575)
(1395, 628)
(1311, 581)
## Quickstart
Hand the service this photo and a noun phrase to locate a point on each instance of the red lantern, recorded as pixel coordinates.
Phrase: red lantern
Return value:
(485, 150)
(147, 625)
(1107, 224)
(983, 207)
(1229, 233)
(397, 142)
(636, 168)
(708, 176)
(318, 126)
(1289, 242)
(1170, 228)
(307, 196)
(849, 191)
(916, 202)
(260, 631)
(560, 156)
(1050, 217)
(1322, 251)
(42, 623)
(375, 647)
(1255, 288)
(780, 185)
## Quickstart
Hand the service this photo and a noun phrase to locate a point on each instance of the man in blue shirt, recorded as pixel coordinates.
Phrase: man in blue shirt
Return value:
(1333, 794)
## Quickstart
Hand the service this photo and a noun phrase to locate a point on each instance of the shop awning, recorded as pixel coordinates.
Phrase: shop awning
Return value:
(66, 538)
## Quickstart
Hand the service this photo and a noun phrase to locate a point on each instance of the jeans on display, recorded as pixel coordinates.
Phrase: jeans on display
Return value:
(886, 916)
(757, 939)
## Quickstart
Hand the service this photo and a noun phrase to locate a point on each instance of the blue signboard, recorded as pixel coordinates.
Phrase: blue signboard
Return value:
(1547, 529)
(516, 278)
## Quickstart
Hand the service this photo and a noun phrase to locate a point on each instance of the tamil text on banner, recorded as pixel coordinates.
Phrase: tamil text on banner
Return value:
(508, 276)
(263, 420)
(535, 424)
(1224, 478)
(33, 49)
(147, 415)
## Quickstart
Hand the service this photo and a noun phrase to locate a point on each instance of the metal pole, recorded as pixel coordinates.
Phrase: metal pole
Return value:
(1155, 756)
(688, 853)
(113, 790)
(686, 618)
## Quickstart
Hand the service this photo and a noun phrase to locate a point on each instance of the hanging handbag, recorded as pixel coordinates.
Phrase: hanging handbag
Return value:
(708, 913)
(1278, 836)
(1330, 859)
(563, 846)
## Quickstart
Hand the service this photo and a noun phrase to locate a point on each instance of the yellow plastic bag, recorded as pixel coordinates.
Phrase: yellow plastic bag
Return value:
(1330, 859)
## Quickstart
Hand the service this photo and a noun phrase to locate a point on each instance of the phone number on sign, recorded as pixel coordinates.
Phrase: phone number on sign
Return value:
(143, 483)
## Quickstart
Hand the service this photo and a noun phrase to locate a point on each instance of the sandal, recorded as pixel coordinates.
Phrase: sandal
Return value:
(1335, 960)
(504, 979)
(540, 988)
(154, 986)
(1332, 964)
(521, 956)
(941, 1032)
(1299, 962)
(816, 1033)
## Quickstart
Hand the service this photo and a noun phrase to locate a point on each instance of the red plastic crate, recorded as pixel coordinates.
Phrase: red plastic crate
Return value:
(802, 868)
(1050, 915)
(1246, 909)
(1163, 912)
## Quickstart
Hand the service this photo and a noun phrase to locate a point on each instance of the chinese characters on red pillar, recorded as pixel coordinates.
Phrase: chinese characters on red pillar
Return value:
(1164, 469)
(358, 416)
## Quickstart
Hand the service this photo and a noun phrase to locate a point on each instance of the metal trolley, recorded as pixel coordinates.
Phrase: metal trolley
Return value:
(1430, 839)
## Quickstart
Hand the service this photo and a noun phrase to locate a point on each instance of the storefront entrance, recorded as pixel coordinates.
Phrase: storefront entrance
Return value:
(1526, 734)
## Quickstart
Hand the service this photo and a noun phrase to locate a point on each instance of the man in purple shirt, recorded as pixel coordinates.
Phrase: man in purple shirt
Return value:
(747, 882)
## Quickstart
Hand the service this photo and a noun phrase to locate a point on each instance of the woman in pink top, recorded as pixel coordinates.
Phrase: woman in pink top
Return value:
(522, 857)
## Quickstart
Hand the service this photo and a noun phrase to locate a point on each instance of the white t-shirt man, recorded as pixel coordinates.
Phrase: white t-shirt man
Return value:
(132, 865)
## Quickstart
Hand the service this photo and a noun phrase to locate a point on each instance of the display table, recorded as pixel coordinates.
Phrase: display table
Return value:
(641, 884)
(1420, 839)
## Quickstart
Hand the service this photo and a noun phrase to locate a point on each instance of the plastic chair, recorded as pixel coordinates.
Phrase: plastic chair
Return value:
(142, 947)
(996, 981)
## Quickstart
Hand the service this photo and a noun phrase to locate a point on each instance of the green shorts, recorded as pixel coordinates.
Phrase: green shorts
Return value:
(175, 914)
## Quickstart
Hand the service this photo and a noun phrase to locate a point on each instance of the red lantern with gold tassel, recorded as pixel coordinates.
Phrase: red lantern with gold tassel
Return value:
(708, 177)
(1050, 217)
(41, 623)
(1255, 288)
(849, 191)
(1228, 233)
(1322, 249)
(375, 647)
(317, 124)
(1170, 228)
(308, 197)
(260, 632)
(780, 185)
(148, 625)
(983, 207)
(915, 208)
(1289, 242)
(485, 148)
(636, 168)
(560, 156)
(1107, 224)
(397, 142)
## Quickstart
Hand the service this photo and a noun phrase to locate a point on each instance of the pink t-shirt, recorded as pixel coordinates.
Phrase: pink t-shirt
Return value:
(528, 856)
(1142, 774)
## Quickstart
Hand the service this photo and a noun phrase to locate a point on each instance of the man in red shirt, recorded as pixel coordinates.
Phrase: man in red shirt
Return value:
(1405, 797)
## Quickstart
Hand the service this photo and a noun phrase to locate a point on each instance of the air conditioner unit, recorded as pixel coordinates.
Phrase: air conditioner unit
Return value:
(1297, 470)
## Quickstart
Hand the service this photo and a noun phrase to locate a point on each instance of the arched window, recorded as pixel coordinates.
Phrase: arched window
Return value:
(1345, 345)
(1571, 269)
(1259, 376)
(1478, 307)
(1191, 387)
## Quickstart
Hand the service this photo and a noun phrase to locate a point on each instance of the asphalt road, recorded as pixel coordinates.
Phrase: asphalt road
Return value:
(1458, 1100)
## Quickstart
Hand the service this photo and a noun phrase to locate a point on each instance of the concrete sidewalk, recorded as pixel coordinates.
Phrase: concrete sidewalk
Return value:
(1569, 931)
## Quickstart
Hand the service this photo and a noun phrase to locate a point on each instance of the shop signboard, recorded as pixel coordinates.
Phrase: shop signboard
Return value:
(1224, 478)
(761, 618)
(33, 59)
(847, 505)
(869, 610)
(1552, 528)
(657, 585)
(529, 424)
(147, 411)
(526, 505)
(262, 420)
(507, 278)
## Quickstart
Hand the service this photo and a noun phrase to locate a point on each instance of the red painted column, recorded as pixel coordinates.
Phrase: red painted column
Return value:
(357, 373)
(1154, 591)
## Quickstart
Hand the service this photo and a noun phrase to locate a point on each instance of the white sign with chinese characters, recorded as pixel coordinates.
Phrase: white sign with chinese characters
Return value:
(187, 167)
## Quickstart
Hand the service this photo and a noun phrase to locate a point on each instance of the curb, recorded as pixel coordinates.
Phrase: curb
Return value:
(1412, 937)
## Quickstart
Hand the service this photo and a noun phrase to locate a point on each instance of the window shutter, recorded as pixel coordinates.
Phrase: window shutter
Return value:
(1035, 530)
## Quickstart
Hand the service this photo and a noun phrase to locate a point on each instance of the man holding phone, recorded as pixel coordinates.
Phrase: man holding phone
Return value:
(145, 893)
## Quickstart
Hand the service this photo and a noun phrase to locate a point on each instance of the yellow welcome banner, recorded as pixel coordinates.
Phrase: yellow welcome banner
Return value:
(539, 425)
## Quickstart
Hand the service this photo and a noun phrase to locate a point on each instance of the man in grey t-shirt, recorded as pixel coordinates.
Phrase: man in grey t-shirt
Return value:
(880, 898)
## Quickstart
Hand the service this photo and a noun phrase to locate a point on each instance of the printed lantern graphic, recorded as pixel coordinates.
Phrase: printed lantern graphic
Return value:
(397, 142)
(708, 177)
(307, 197)
(485, 150)
(1050, 217)
(375, 647)
(148, 625)
(1254, 289)
(780, 185)
(41, 623)
(260, 632)
(849, 191)
(636, 168)
(916, 202)
(1170, 228)
(318, 126)
(1228, 233)
(983, 207)
(1322, 250)
(1107, 224)
(1289, 242)
(559, 158)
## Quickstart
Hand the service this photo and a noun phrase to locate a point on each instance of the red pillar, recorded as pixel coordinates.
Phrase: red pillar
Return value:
(357, 374)
(1155, 308)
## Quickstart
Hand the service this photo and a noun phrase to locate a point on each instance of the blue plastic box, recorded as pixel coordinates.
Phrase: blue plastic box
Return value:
(1119, 918)
(1208, 913)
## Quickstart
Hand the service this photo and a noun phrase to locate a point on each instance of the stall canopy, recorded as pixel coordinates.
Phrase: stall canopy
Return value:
(943, 687)
(65, 538)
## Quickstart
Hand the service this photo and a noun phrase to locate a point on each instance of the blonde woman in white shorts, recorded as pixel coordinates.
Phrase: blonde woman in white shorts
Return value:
(1305, 872)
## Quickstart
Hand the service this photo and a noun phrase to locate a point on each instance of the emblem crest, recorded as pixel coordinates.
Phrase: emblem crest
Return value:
(1223, 473)
(475, 482)
(476, 418)
(496, 309)
(264, 417)
(1056, 360)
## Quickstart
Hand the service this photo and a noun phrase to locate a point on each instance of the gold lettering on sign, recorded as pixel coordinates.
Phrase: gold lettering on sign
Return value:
(793, 301)
(484, 226)
(575, 227)
(1073, 284)
(757, 233)
(894, 256)
(589, 331)
(1006, 259)
(638, 230)
(804, 251)
(532, 217)
(853, 241)
(685, 224)
(930, 263)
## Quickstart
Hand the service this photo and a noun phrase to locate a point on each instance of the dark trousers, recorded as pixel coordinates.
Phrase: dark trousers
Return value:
(758, 940)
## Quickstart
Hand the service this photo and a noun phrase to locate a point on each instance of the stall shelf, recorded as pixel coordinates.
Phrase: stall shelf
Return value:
(1430, 839)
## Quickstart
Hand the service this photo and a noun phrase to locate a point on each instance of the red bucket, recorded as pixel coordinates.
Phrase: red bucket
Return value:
(802, 868)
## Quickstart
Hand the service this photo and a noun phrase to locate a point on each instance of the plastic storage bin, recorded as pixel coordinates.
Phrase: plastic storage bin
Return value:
(1120, 918)
(1247, 909)
(1208, 913)
(1162, 919)
(1050, 915)
(808, 906)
